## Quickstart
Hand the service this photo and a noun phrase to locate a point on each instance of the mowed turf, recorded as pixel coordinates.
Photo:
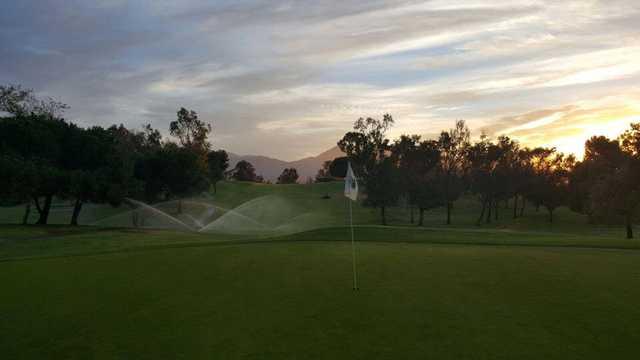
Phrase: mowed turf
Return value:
(513, 289)
(495, 295)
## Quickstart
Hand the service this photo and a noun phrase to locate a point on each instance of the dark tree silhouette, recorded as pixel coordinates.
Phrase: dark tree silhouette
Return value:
(244, 171)
(491, 173)
(21, 103)
(367, 148)
(338, 167)
(382, 187)
(217, 163)
(550, 182)
(323, 174)
(288, 176)
(367, 144)
(191, 132)
(183, 173)
(618, 193)
(606, 184)
(452, 145)
(416, 161)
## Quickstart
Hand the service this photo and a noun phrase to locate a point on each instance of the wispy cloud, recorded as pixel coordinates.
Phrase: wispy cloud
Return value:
(269, 73)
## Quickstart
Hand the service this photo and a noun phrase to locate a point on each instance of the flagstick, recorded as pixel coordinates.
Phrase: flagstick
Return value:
(353, 247)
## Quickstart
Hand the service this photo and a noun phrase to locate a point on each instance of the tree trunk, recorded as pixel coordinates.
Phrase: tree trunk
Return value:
(215, 187)
(550, 215)
(515, 206)
(489, 208)
(27, 211)
(524, 202)
(77, 207)
(449, 205)
(495, 211)
(484, 208)
(384, 217)
(421, 220)
(179, 210)
(411, 211)
(44, 211)
(629, 227)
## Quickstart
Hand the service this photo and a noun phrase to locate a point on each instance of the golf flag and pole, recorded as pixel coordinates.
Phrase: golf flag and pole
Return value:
(351, 193)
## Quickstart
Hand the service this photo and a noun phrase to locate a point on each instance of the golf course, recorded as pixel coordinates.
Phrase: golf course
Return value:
(514, 289)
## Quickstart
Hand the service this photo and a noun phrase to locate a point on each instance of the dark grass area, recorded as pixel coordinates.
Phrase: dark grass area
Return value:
(287, 299)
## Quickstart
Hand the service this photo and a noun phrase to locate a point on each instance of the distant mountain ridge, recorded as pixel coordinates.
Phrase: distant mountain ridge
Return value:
(271, 168)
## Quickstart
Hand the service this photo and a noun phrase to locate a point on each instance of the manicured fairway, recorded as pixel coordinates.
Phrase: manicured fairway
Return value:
(292, 299)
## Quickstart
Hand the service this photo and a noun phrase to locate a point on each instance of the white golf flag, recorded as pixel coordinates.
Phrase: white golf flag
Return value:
(350, 184)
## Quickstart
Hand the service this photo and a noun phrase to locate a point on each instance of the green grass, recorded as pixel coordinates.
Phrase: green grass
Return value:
(514, 289)
(292, 298)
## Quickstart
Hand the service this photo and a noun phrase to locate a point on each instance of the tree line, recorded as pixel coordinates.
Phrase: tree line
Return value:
(43, 156)
(433, 173)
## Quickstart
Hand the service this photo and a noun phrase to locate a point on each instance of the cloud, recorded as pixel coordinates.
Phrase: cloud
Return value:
(268, 73)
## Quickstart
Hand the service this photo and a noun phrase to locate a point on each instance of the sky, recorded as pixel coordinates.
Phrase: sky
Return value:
(288, 78)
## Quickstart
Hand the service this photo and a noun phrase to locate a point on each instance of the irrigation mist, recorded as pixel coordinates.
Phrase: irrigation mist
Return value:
(264, 215)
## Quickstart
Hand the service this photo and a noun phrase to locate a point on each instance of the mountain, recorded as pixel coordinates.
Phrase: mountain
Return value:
(271, 168)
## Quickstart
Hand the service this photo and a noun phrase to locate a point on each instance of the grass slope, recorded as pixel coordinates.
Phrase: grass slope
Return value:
(333, 211)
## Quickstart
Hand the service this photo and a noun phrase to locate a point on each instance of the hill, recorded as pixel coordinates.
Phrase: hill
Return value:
(271, 168)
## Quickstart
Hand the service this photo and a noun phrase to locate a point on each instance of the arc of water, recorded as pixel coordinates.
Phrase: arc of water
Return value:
(161, 213)
(198, 220)
(231, 212)
(195, 221)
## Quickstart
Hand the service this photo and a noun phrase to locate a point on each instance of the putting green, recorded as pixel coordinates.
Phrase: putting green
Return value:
(170, 295)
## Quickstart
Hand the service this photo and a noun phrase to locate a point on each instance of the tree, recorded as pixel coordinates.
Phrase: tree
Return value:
(43, 141)
(18, 182)
(92, 166)
(492, 173)
(288, 176)
(83, 186)
(338, 167)
(618, 193)
(550, 182)
(183, 173)
(323, 174)
(217, 163)
(191, 132)
(367, 144)
(602, 157)
(521, 180)
(244, 171)
(367, 148)
(606, 184)
(452, 145)
(630, 140)
(416, 161)
(21, 102)
(483, 158)
(382, 187)
(402, 153)
(150, 165)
